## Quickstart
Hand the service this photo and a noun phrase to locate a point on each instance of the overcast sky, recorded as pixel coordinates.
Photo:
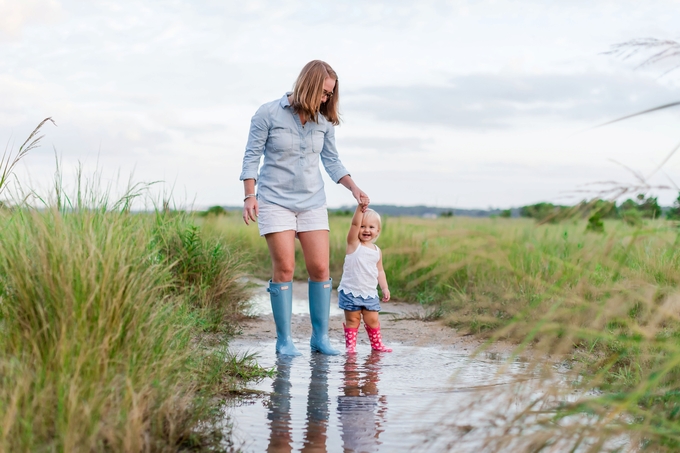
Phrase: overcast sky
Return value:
(445, 103)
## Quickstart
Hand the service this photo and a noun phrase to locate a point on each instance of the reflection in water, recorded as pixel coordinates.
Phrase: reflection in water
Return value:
(360, 408)
(281, 433)
(281, 429)
(344, 404)
(317, 405)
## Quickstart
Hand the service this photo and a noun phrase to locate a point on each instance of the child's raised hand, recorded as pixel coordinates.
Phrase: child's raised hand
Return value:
(363, 204)
(360, 196)
(386, 295)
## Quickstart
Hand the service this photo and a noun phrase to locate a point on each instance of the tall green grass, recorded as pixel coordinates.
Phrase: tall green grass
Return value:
(113, 329)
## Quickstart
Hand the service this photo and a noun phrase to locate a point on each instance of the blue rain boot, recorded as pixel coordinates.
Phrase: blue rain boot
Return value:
(281, 295)
(319, 312)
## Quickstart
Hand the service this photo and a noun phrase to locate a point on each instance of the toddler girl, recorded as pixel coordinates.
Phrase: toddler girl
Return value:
(362, 272)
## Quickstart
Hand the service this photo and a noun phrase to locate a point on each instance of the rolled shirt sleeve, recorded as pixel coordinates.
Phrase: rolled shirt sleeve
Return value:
(257, 138)
(329, 155)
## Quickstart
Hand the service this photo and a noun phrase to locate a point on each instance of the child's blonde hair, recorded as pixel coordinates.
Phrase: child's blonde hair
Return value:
(371, 214)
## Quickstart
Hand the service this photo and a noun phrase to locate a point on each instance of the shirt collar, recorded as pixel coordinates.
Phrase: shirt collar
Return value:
(284, 100)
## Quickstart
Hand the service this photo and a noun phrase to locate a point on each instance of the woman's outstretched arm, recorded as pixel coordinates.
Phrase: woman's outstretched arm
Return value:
(358, 194)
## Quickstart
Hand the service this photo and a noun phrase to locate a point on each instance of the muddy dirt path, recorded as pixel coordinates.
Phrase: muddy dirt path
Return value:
(403, 324)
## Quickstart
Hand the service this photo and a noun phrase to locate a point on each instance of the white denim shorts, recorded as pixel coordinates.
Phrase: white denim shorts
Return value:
(274, 219)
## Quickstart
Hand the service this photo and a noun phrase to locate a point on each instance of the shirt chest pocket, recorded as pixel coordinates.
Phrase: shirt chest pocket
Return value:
(280, 139)
(317, 140)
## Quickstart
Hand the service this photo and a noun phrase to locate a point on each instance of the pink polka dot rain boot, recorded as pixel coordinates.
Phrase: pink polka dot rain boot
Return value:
(376, 339)
(351, 339)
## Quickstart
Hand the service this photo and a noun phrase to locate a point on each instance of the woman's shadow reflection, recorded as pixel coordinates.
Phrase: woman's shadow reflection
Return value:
(281, 429)
(360, 408)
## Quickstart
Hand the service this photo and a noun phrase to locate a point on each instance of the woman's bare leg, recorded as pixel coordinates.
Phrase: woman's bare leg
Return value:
(315, 247)
(282, 251)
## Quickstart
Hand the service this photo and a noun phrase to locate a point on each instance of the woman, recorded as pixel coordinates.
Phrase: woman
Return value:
(293, 133)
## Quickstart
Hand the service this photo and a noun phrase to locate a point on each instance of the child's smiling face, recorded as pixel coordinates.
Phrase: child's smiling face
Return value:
(370, 228)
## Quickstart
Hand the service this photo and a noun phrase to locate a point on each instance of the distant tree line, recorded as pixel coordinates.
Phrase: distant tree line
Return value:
(631, 211)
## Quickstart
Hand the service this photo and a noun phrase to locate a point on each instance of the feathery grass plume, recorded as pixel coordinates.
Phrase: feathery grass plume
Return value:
(9, 161)
(661, 50)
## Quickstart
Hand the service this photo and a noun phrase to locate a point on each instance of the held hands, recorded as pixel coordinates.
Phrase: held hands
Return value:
(358, 194)
(250, 210)
(386, 295)
(361, 198)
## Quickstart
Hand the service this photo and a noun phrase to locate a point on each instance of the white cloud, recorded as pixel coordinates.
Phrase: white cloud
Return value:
(504, 100)
(16, 15)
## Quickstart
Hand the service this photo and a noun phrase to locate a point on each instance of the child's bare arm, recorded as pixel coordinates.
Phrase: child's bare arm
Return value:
(382, 281)
(353, 234)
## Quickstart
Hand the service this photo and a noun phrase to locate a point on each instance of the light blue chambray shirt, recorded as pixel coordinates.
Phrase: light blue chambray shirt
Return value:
(290, 174)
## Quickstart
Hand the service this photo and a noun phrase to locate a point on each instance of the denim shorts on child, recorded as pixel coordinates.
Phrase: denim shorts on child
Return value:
(351, 302)
(273, 218)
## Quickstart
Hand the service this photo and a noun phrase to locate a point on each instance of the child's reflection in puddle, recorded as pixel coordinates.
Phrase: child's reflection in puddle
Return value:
(360, 408)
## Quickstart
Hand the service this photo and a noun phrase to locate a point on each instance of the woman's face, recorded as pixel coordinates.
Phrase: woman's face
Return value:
(328, 87)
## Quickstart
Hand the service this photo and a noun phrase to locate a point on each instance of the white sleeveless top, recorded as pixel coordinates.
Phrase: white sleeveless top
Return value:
(360, 272)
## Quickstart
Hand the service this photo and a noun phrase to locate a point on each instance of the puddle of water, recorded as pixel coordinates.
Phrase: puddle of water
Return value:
(369, 402)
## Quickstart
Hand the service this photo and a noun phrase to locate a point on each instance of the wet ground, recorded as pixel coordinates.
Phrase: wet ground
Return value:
(424, 396)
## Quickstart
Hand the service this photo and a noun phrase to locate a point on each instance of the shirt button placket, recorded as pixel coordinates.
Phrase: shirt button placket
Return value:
(303, 146)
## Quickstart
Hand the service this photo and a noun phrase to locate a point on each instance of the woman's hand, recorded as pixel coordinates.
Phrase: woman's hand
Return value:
(361, 197)
(250, 210)
(358, 194)
(386, 295)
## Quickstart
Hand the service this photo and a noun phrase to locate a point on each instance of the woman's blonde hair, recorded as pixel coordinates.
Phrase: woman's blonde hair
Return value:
(308, 91)
(371, 214)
